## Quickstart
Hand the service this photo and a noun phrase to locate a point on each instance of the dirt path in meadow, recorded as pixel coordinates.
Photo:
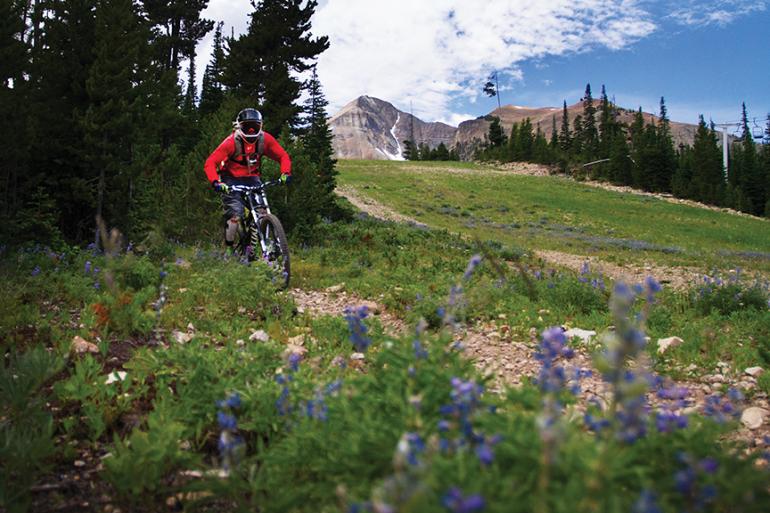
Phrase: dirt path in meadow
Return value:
(507, 362)
(374, 208)
(675, 277)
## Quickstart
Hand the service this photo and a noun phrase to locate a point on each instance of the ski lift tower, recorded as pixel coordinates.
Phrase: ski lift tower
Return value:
(725, 127)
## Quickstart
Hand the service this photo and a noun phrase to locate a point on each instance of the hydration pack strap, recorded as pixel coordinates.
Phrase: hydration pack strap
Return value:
(242, 158)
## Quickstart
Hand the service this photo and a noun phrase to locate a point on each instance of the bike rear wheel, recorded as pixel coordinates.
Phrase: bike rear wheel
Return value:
(276, 252)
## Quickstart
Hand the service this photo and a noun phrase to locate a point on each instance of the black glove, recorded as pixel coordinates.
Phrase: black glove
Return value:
(220, 186)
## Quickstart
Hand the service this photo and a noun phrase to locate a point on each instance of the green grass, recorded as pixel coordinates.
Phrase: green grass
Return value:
(161, 419)
(559, 214)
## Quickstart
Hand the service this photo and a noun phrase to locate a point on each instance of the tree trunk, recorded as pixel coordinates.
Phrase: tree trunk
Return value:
(99, 204)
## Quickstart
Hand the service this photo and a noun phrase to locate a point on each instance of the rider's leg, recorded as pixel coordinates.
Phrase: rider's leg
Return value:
(231, 228)
(233, 211)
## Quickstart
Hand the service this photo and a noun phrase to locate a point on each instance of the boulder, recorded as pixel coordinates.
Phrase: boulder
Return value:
(665, 343)
(80, 345)
(259, 335)
(754, 417)
(754, 372)
(585, 336)
(181, 337)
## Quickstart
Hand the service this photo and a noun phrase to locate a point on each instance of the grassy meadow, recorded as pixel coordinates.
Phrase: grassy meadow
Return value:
(556, 213)
(207, 388)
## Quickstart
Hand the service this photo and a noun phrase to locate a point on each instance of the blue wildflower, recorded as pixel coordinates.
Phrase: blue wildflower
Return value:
(36, 270)
(226, 421)
(472, 264)
(88, 267)
(233, 401)
(646, 503)
(294, 360)
(358, 330)
(420, 352)
(455, 502)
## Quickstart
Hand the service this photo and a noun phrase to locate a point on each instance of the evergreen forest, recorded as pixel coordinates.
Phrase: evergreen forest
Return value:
(102, 116)
(597, 145)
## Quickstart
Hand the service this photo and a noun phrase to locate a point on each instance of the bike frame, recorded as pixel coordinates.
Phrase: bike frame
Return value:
(257, 205)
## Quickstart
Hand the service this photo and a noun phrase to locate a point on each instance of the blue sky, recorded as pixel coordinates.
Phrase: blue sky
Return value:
(706, 70)
(702, 56)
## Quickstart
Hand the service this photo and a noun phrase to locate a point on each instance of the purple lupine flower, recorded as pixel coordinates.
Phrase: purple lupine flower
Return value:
(358, 330)
(87, 267)
(646, 503)
(472, 264)
(456, 502)
(485, 453)
(233, 401)
(294, 360)
(226, 421)
(410, 446)
(36, 270)
(420, 353)
(316, 408)
(720, 409)
(667, 421)
(709, 465)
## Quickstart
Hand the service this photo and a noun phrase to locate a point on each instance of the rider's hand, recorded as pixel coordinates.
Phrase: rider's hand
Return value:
(285, 179)
(220, 186)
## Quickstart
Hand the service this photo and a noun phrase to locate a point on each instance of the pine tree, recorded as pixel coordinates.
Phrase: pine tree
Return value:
(681, 182)
(178, 27)
(525, 141)
(109, 121)
(565, 137)
(212, 90)
(606, 124)
(61, 59)
(576, 149)
(317, 140)
(554, 141)
(707, 174)
(497, 137)
(751, 177)
(620, 165)
(190, 104)
(642, 141)
(410, 150)
(766, 166)
(589, 135)
(424, 151)
(513, 151)
(663, 157)
(263, 65)
(13, 98)
(442, 153)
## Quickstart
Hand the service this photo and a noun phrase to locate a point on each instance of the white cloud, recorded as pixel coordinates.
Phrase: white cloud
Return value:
(430, 52)
(715, 12)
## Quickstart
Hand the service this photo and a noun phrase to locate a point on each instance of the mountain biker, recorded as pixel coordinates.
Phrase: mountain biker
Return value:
(238, 159)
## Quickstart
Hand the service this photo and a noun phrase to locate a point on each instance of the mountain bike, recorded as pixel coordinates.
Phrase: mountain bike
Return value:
(261, 235)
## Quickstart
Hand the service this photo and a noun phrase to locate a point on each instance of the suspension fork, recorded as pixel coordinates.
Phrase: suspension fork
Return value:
(255, 218)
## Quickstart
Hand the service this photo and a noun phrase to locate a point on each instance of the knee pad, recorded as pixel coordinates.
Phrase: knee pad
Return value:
(231, 229)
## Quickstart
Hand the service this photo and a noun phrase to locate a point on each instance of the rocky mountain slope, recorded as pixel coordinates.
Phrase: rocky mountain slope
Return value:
(370, 128)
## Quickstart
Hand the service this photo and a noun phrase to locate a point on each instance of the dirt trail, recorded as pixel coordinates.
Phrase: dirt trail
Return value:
(374, 208)
(507, 362)
(675, 277)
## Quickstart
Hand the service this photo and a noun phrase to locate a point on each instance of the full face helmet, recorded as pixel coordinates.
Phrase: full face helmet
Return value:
(249, 124)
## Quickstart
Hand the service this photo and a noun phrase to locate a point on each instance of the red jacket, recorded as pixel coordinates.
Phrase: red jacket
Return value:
(219, 160)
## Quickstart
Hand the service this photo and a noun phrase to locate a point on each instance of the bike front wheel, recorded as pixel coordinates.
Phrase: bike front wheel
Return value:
(276, 252)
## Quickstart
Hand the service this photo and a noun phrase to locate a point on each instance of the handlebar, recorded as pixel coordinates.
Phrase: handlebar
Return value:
(257, 188)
